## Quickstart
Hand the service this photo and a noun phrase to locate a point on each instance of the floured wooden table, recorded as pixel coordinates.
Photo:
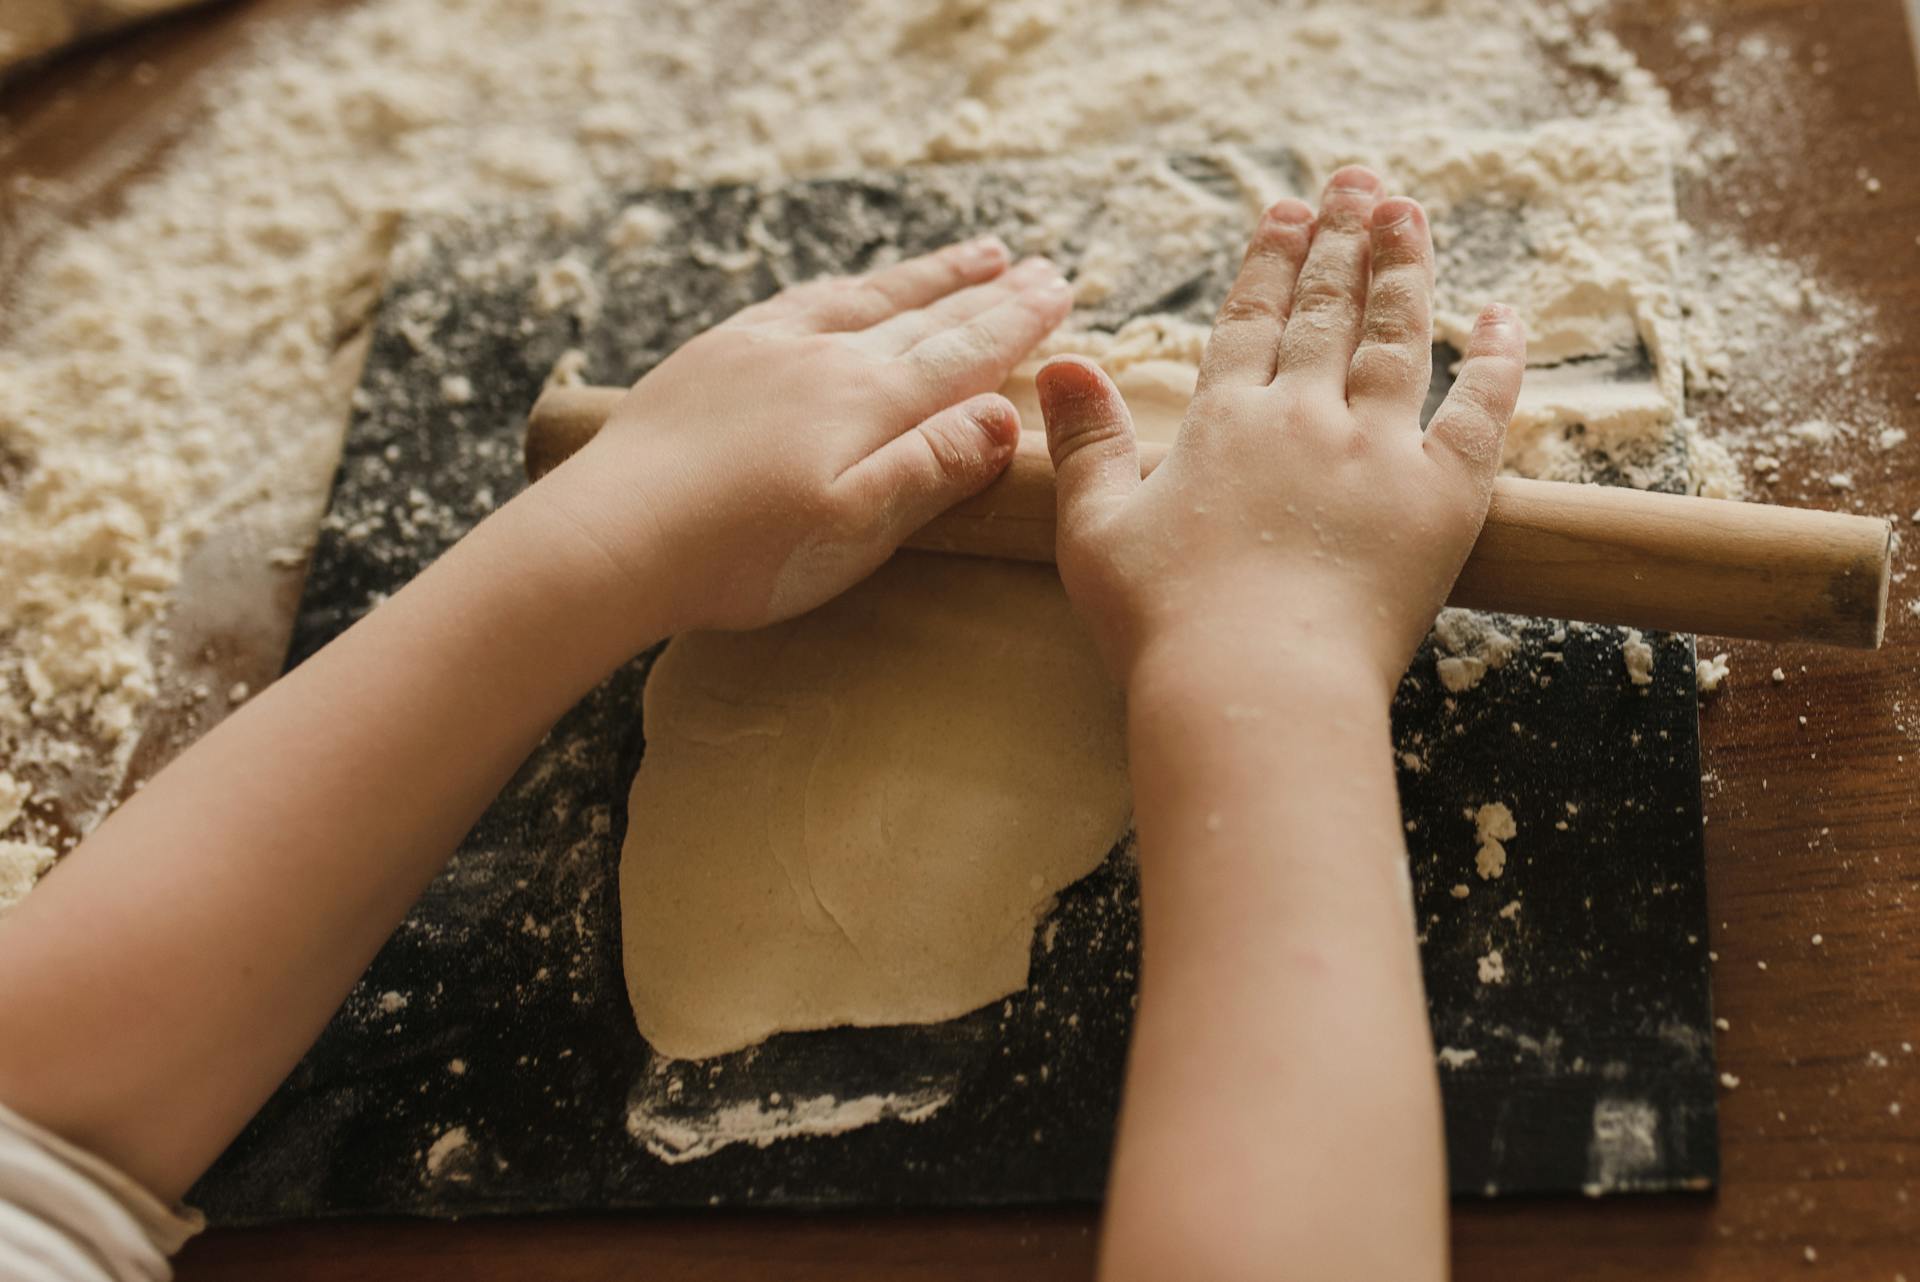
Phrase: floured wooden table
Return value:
(1807, 836)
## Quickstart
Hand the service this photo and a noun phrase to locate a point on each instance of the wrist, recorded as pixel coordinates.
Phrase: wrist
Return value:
(596, 596)
(1253, 673)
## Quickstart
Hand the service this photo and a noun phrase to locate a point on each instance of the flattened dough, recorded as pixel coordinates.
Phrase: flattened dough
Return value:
(858, 817)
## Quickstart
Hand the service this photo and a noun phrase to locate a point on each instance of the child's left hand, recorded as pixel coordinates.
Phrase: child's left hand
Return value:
(780, 457)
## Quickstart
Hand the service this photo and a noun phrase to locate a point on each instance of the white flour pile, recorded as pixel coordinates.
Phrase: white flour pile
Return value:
(170, 366)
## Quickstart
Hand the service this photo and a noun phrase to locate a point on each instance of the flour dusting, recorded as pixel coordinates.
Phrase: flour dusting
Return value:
(675, 1136)
(164, 374)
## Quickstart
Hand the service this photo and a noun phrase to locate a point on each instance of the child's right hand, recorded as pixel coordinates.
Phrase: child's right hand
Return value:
(1303, 515)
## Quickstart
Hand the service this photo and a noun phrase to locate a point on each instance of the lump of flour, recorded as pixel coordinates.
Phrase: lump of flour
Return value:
(1638, 656)
(21, 860)
(1709, 673)
(1492, 967)
(1493, 825)
(1471, 646)
(565, 284)
(21, 863)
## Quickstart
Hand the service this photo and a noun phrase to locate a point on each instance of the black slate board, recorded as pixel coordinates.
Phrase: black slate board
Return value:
(488, 1061)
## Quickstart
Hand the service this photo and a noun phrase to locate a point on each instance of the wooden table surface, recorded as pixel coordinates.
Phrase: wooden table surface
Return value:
(1809, 826)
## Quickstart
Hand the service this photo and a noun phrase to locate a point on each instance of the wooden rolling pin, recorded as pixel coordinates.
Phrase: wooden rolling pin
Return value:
(1595, 553)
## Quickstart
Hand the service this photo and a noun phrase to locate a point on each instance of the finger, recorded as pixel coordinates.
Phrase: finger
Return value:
(1394, 362)
(898, 333)
(1246, 334)
(855, 302)
(977, 355)
(1330, 296)
(1470, 426)
(1090, 437)
(919, 474)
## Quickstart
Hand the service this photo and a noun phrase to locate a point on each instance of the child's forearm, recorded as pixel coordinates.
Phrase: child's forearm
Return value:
(174, 967)
(168, 973)
(1280, 1061)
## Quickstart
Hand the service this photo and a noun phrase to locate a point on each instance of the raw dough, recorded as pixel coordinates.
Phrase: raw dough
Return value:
(859, 816)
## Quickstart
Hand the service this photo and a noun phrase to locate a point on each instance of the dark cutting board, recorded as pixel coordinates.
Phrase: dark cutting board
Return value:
(488, 1061)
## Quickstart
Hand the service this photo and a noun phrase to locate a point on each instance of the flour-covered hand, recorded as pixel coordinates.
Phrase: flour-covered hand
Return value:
(1303, 511)
(781, 456)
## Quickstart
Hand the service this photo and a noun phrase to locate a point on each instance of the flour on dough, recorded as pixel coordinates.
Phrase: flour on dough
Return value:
(859, 816)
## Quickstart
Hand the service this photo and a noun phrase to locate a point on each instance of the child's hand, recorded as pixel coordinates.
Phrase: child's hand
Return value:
(780, 457)
(1303, 515)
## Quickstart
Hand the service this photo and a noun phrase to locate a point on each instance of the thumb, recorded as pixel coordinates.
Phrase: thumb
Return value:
(1089, 435)
(953, 455)
(1471, 424)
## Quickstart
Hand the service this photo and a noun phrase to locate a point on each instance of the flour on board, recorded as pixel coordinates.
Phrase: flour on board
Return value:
(1493, 825)
(675, 1136)
(1638, 656)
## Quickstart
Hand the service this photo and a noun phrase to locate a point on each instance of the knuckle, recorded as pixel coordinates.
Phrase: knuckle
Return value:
(1395, 250)
(1397, 294)
(1322, 292)
(1090, 439)
(1392, 327)
(975, 339)
(1378, 364)
(1483, 401)
(1276, 241)
(1244, 306)
(1345, 222)
(946, 444)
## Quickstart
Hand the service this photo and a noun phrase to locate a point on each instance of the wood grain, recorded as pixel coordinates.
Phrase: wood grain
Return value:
(1812, 827)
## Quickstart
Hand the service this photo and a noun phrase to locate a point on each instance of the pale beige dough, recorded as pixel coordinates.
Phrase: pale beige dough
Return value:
(858, 817)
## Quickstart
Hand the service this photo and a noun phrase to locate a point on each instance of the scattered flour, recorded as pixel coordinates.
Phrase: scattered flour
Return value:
(1453, 1057)
(21, 864)
(1624, 1144)
(14, 797)
(1470, 647)
(450, 1157)
(566, 284)
(1493, 825)
(1493, 970)
(21, 861)
(675, 1136)
(163, 374)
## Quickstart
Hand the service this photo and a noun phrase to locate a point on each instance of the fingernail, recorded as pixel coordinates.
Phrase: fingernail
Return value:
(1030, 269)
(1289, 210)
(1057, 286)
(1392, 213)
(1354, 180)
(1497, 317)
(981, 249)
